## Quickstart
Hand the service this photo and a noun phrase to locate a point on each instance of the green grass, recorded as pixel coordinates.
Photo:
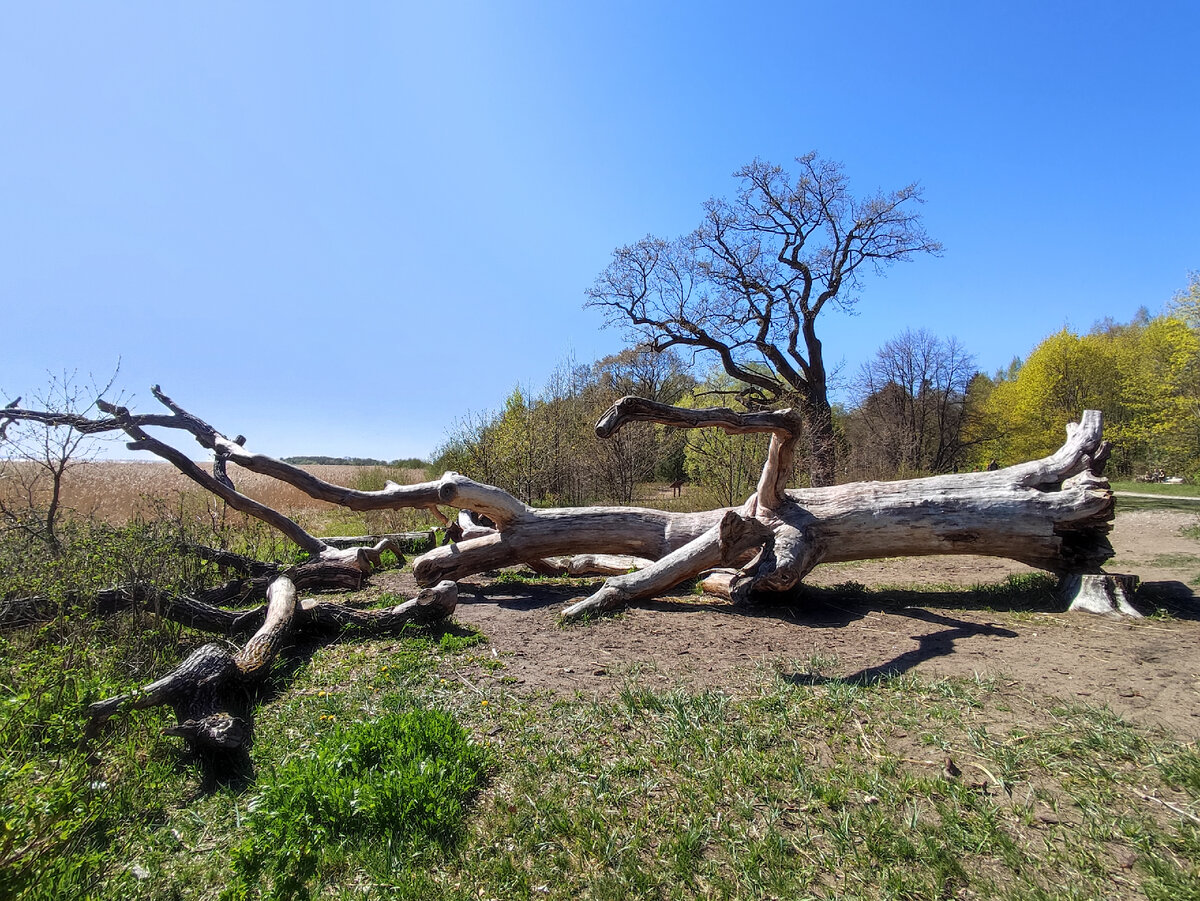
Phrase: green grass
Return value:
(383, 793)
(396, 769)
(813, 787)
(1157, 488)
(1171, 498)
(408, 768)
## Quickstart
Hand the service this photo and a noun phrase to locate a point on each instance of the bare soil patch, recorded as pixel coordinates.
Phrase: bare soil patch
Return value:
(908, 615)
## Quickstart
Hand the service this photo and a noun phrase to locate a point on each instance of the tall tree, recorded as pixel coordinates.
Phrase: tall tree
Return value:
(749, 284)
(643, 450)
(1185, 305)
(1143, 375)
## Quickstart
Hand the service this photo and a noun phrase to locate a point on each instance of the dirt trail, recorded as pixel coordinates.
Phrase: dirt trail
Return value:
(1147, 670)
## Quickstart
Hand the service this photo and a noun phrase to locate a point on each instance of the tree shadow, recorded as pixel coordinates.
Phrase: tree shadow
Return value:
(929, 646)
(529, 595)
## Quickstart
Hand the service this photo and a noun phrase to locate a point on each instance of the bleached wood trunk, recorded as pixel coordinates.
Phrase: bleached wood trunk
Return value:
(1053, 514)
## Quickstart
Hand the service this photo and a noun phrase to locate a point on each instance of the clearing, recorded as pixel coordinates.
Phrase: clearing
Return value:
(863, 620)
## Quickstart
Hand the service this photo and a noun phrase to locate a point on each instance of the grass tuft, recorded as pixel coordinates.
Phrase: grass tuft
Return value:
(398, 785)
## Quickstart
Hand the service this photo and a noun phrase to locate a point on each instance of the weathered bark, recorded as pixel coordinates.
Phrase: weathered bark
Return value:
(1053, 514)
(406, 541)
(721, 545)
(588, 565)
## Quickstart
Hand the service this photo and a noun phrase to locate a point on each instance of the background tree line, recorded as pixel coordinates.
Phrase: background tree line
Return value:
(919, 406)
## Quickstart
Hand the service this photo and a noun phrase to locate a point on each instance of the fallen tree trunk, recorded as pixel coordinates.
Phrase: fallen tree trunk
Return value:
(1054, 514)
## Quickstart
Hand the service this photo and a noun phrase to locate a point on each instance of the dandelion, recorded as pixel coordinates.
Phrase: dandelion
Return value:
(484, 702)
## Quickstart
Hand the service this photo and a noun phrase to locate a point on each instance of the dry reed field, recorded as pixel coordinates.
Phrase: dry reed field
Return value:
(119, 491)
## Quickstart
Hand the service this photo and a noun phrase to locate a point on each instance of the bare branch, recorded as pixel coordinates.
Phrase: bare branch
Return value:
(636, 409)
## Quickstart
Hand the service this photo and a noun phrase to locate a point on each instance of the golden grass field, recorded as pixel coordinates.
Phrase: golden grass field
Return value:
(119, 491)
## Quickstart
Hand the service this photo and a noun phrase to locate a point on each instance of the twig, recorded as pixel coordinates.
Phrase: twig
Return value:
(1167, 804)
(468, 684)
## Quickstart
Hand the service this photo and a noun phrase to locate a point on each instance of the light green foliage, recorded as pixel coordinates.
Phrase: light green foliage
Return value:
(1161, 397)
(1143, 376)
(82, 819)
(543, 447)
(1064, 375)
(64, 814)
(1185, 305)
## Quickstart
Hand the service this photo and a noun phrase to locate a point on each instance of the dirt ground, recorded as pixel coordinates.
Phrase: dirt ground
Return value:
(916, 619)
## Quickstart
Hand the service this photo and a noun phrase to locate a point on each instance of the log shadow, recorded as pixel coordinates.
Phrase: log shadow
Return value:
(527, 596)
(227, 771)
(837, 606)
(814, 610)
(929, 646)
(1022, 594)
(1171, 597)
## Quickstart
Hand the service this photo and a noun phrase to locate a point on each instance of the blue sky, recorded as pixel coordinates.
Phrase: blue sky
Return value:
(336, 229)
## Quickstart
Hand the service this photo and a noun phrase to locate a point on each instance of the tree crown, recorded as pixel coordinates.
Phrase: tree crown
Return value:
(750, 281)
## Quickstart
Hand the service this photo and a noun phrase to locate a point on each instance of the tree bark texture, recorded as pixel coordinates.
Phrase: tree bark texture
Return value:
(1053, 513)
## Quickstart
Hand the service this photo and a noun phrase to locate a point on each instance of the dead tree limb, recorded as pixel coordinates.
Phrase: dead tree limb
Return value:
(1053, 514)
(201, 689)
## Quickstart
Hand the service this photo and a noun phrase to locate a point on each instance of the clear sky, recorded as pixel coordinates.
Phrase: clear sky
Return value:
(336, 228)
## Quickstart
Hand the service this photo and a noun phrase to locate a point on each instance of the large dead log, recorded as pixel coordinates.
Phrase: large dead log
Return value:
(1053, 513)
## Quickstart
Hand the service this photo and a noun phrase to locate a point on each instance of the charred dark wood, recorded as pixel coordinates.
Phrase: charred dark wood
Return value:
(230, 560)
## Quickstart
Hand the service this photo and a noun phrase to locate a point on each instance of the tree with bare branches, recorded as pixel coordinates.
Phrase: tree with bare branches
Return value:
(749, 283)
(36, 456)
